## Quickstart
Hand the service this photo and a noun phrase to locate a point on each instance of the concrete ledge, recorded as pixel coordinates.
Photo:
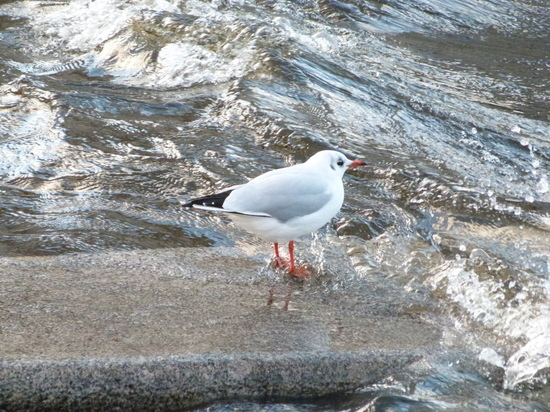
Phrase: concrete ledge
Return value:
(176, 382)
(171, 329)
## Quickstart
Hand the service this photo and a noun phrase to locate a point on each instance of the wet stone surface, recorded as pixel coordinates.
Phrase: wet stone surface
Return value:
(187, 326)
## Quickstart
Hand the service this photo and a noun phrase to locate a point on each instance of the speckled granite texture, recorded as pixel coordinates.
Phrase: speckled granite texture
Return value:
(169, 329)
(172, 382)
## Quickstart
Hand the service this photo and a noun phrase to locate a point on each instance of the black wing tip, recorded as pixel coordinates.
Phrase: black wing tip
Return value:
(215, 200)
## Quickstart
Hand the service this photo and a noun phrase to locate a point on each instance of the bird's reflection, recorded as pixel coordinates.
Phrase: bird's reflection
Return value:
(287, 296)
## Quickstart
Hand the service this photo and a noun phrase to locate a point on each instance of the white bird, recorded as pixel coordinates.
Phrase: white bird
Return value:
(284, 204)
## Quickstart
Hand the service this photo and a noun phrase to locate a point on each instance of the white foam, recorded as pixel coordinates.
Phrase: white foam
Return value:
(533, 357)
(113, 46)
(542, 185)
(186, 64)
(33, 138)
(491, 356)
(83, 24)
(527, 318)
(166, 148)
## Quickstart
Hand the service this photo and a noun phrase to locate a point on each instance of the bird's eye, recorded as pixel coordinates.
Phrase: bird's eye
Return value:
(340, 162)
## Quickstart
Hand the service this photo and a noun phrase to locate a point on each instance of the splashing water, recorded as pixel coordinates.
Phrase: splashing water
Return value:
(105, 120)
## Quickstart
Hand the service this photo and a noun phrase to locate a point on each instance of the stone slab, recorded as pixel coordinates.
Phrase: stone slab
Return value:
(180, 327)
(175, 382)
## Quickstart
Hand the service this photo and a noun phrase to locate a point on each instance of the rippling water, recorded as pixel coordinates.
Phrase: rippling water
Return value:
(111, 111)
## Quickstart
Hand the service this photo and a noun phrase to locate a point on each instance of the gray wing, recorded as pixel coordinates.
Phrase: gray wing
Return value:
(282, 196)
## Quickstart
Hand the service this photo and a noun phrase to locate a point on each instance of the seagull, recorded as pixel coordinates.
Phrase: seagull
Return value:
(284, 204)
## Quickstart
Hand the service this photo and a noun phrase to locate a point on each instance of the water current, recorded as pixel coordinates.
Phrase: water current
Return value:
(111, 111)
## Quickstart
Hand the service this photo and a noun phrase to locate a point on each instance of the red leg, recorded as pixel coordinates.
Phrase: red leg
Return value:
(299, 272)
(291, 253)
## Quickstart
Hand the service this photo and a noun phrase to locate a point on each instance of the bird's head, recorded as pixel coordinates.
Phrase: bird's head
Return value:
(333, 161)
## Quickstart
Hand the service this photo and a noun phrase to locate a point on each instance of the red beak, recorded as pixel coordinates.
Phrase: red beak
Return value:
(357, 163)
